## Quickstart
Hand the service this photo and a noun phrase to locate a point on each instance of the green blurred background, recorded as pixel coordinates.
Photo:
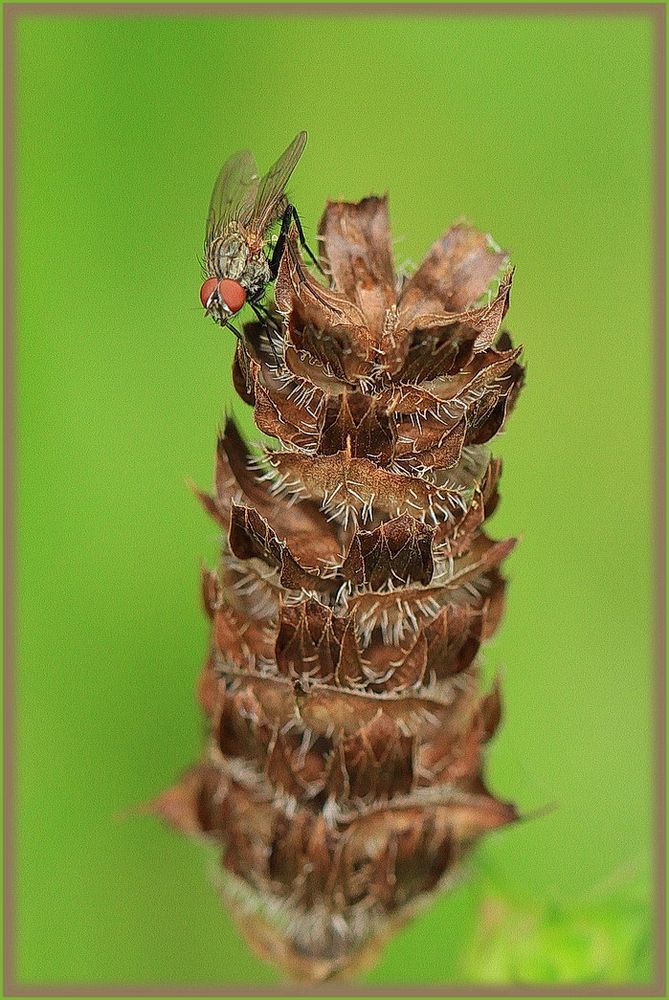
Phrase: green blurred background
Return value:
(538, 130)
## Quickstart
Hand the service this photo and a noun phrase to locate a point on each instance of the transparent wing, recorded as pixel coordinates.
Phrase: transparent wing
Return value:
(234, 193)
(273, 184)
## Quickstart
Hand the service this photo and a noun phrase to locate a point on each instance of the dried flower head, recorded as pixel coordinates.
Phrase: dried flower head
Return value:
(343, 775)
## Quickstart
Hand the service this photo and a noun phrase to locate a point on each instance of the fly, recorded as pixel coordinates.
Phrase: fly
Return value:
(242, 211)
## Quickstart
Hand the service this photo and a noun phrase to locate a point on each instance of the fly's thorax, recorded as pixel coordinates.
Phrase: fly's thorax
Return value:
(230, 256)
(227, 256)
(257, 274)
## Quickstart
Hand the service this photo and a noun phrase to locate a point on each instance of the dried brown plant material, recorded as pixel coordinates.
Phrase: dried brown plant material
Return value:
(343, 774)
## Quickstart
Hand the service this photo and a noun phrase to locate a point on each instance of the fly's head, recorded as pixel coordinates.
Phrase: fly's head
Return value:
(222, 298)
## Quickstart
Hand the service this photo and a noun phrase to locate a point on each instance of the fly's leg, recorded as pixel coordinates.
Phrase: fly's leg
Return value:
(264, 314)
(303, 242)
(261, 313)
(290, 215)
(243, 355)
(268, 320)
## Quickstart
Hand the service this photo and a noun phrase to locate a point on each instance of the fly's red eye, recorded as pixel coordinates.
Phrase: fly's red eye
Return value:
(232, 293)
(207, 290)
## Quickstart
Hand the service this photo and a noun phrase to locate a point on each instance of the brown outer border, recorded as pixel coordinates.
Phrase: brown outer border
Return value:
(657, 13)
(473, 8)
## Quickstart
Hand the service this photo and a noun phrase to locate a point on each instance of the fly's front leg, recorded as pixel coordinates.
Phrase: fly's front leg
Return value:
(290, 215)
(234, 329)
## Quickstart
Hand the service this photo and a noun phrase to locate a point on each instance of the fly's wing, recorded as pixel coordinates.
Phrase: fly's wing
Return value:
(234, 193)
(273, 184)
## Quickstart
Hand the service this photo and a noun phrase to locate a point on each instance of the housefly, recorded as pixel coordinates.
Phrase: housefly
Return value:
(243, 209)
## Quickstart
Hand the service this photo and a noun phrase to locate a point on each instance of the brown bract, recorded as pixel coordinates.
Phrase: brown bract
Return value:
(343, 776)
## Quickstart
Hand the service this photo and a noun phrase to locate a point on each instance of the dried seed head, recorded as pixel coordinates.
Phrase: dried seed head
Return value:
(343, 774)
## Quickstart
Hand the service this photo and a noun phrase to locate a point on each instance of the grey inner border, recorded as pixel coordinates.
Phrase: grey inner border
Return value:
(656, 13)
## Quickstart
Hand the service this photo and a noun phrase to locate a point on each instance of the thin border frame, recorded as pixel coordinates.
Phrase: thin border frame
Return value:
(656, 12)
